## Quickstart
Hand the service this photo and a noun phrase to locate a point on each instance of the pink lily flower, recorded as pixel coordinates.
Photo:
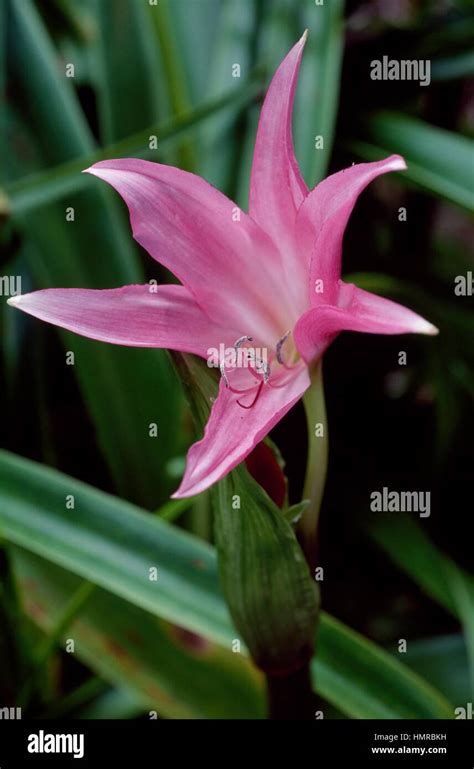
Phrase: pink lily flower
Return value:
(270, 278)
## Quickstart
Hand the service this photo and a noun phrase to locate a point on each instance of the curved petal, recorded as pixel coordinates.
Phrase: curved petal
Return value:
(134, 316)
(322, 220)
(232, 431)
(218, 252)
(277, 188)
(366, 312)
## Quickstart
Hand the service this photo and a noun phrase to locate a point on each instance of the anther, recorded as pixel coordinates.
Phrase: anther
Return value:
(241, 340)
(260, 368)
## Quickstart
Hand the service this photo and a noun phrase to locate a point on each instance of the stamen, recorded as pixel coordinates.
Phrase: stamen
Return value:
(280, 345)
(223, 374)
(260, 368)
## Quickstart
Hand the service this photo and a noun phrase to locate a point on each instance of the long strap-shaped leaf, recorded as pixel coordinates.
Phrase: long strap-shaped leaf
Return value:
(36, 190)
(165, 668)
(121, 387)
(440, 577)
(114, 544)
(440, 161)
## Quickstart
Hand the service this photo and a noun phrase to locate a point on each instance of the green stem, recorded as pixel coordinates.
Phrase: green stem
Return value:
(316, 466)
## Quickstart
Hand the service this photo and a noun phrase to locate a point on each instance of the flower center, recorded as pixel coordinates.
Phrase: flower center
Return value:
(250, 368)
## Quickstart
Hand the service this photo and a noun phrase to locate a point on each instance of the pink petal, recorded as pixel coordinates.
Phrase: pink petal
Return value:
(218, 252)
(232, 431)
(366, 312)
(277, 188)
(133, 316)
(323, 217)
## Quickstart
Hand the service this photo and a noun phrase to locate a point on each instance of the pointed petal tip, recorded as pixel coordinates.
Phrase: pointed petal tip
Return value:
(398, 163)
(303, 38)
(92, 170)
(189, 486)
(185, 490)
(422, 326)
(13, 301)
(97, 169)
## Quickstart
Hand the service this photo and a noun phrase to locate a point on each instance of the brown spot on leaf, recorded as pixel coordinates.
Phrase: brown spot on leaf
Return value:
(134, 637)
(190, 641)
(120, 654)
(36, 610)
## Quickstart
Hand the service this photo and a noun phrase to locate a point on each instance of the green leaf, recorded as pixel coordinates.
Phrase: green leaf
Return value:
(221, 150)
(317, 96)
(111, 704)
(364, 681)
(174, 508)
(294, 513)
(58, 120)
(443, 661)
(113, 544)
(437, 574)
(193, 22)
(409, 547)
(37, 190)
(15, 651)
(200, 384)
(175, 76)
(120, 386)
(273, 600)
(65, 18)
(438, 160)
(60, 626)
(91, 690)
(126, 55)
(164, 667)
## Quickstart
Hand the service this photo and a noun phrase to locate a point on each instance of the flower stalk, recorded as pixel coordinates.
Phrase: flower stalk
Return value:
(291, 697)
(316, 466)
